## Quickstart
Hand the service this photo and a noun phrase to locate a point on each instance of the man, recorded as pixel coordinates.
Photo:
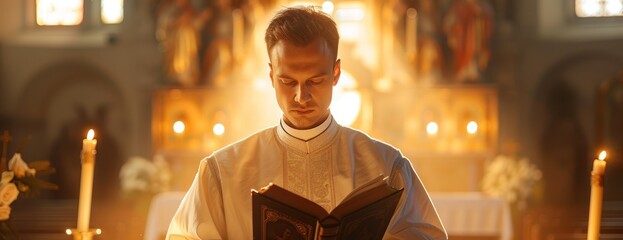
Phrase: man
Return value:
(307, 153)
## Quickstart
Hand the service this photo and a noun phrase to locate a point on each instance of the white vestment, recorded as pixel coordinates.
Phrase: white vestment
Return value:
(323, 169)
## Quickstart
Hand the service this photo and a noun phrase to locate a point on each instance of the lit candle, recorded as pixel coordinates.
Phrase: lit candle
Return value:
(597, 190)
(86, 181)
(472, 127)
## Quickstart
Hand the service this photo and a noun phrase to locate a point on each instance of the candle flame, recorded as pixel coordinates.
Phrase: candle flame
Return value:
(179, 127)
(90, 134)
(218, 129)
(432, 128)
(472, 127)
(602, 155)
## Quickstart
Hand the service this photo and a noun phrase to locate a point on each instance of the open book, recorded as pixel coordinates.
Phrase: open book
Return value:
(363, 214)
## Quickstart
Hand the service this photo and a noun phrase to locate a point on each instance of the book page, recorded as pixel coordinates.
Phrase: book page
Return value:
(380, 180)
(293, 200)
(371, 192)
(277, 211)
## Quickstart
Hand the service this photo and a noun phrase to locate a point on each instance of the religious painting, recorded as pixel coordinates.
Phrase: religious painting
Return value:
(610, 100)
(448, 41)
(610, 132)
(203, 42)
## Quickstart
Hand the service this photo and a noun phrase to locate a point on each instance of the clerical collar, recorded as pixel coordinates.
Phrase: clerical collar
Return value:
(306, 134)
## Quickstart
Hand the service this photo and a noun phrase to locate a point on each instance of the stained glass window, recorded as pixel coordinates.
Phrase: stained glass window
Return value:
(72, 12)
(59, 12)
(112, 11)
(598, 8)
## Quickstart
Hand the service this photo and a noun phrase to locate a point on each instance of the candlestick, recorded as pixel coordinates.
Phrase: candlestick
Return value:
(597, 190)
(86, 181)
(83, 235)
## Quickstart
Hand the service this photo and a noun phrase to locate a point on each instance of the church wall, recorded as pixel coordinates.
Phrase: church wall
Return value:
(132, 64)
(556, 48)
(10, 18)
(129, 60)
(534, 50)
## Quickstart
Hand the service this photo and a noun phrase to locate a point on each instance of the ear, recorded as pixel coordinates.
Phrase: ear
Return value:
(337, 70)
(270, 73)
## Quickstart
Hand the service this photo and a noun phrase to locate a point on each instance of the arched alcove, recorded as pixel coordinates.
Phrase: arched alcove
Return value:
(57, 106)
(609, 133)
(562, 118)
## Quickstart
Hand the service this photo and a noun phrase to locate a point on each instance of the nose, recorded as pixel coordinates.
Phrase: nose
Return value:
(302, 94)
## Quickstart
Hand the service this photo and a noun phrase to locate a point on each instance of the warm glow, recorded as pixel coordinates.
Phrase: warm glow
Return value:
(59, 12)
(614, 7)
(98, 231)
(383, 85)
(432, 128)
(346, 102)
(598, 8)
(179, 127)
(90, 134)
(300, 3)
(328, 7)
(350, 31)
(218, 129)
(472, 127)
(602, 155)
(589, 8)
(350, 14)
(112, 11)
(262, 84)
(68, 231)
(350, 19)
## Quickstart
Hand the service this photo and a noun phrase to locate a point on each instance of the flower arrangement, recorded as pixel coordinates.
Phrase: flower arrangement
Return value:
(139, 175)
(512, 179)
(19, 179)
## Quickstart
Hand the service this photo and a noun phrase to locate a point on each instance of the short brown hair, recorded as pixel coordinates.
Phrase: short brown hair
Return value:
(300, 26)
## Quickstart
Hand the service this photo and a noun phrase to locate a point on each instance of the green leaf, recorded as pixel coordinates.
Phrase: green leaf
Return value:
(39, 165)
(47, 171)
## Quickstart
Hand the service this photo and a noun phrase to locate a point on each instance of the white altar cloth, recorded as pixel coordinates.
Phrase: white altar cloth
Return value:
(474, 214)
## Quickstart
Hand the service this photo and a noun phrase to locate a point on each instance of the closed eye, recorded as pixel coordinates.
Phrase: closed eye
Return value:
(288, 82)
(316, 81)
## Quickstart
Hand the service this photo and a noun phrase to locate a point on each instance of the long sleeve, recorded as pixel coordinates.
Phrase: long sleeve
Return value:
(324, 170)
(200, 214)
(415, 217)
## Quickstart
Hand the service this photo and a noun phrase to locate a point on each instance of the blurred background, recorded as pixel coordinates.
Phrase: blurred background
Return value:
(501, 106)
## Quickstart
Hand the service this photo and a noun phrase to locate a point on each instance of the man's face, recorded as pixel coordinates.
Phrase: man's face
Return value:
(303, 78)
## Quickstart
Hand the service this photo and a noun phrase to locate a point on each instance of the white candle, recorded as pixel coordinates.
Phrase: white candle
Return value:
(597, 190)
(238, 33)
(411, 34)
(86, 181)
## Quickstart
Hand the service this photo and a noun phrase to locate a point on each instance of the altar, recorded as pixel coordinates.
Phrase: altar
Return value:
(474, 215)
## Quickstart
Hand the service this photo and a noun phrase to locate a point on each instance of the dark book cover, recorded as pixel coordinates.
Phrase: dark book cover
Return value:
(363, 214)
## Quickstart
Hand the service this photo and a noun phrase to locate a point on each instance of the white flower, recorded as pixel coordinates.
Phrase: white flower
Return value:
(19, 167)
(511, 179)
(141, 175)
(5, 212)
(8, 194)
(7, 177)
(135, 174)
